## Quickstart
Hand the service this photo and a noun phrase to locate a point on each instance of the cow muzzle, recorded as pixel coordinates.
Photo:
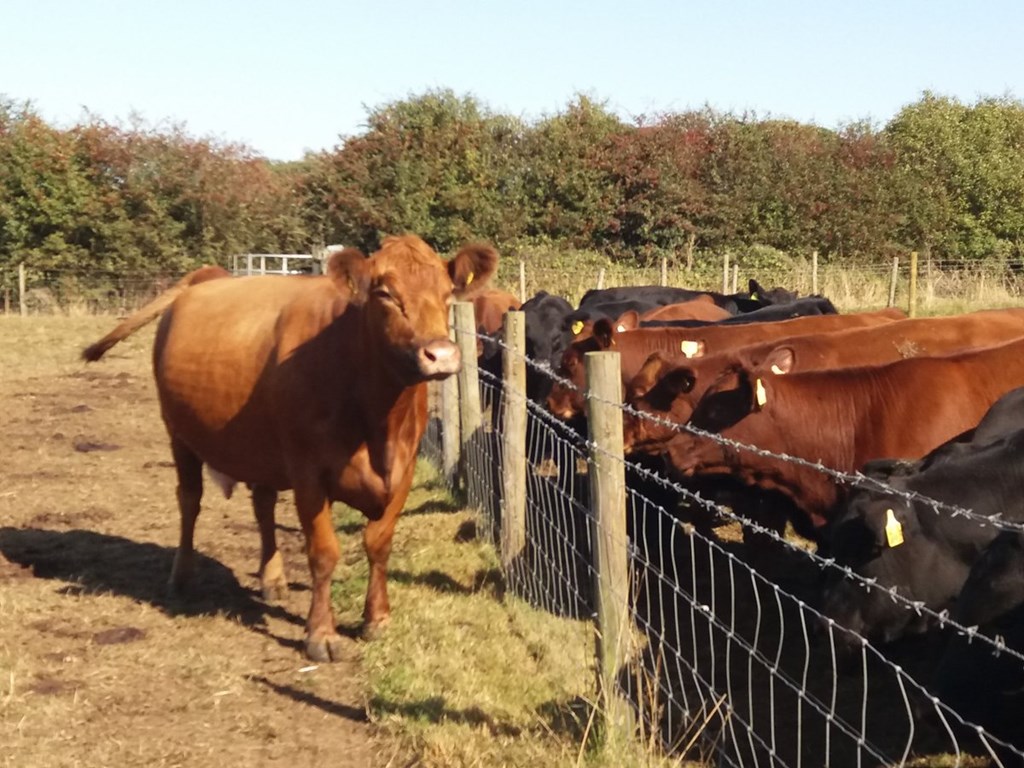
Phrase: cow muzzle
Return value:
(438, 359)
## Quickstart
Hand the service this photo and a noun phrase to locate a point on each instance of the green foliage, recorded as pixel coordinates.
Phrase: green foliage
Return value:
(944, 177)
(437, 165)
(102, 198)
(963, 171)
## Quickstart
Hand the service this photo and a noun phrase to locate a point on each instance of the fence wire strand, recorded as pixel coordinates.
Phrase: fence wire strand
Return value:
(741, 654)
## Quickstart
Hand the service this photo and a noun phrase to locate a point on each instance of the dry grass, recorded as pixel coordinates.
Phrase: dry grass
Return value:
(467, 675)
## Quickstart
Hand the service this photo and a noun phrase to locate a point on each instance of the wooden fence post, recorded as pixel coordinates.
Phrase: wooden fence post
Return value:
(814, 272)
(513, 465)
(912, 311)
(522, 281)
(892, 281)
(725, 273)
(450, 420)
(22, 306)
(470, 417)
(664, 271)
(607, 475)
(735, 277)
(600, 279)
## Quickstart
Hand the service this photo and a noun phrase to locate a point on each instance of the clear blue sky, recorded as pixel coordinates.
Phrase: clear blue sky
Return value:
(288, 76)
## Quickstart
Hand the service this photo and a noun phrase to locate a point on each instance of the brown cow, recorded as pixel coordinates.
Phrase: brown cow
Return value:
(489, 308)
(671, 387)
(702, 308)
(152, 310)
(315, 384)
(842, 418)
(637, 345)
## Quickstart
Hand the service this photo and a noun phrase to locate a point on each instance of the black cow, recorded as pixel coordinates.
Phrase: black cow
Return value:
(653, 295)
(770, 295)
(926, 555)
(985, 686)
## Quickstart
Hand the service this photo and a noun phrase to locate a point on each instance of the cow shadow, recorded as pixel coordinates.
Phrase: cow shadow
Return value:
(101, 563)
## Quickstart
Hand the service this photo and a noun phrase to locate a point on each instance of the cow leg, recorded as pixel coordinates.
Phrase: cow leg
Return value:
(323, 643)
(273, 583)
(377, 537)
(190, 495)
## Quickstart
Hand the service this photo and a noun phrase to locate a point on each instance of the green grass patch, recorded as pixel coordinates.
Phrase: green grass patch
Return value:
(465, 674)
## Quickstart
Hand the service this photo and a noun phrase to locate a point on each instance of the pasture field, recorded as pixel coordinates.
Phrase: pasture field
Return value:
(99, 666)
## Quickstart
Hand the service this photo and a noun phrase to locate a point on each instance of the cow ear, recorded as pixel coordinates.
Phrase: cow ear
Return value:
(628, 321)
(350, 270)
(780, 360)
(754, 288)
(604, 333)
(646, 377)
(471, 268)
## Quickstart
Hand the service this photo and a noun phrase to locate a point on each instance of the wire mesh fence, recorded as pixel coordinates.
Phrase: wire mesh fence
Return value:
(729, 656)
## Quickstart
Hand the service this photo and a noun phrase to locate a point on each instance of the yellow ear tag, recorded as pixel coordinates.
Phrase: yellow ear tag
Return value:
(689, 348)
(760, 394)
(469, 279)
(893, 529)
(777, 371)
(577, 327)
(620, 328)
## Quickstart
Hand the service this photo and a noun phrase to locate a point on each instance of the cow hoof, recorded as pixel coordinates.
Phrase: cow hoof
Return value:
(372, 630)
(324, 649)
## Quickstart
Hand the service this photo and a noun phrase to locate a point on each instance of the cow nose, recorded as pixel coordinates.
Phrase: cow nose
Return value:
(438, 359)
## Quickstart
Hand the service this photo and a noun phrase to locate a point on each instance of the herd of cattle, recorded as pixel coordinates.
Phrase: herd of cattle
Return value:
(927, 409)
(317, 384)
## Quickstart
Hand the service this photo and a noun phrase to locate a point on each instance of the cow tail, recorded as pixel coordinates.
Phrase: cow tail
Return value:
(151, 311)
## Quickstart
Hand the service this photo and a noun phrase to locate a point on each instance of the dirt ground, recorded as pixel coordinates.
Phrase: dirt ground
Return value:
(98, 665)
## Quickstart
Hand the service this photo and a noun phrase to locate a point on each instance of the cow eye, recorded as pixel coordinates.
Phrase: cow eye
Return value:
(384, 294)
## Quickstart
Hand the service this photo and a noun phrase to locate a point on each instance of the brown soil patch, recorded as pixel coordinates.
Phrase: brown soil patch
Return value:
(98, 665)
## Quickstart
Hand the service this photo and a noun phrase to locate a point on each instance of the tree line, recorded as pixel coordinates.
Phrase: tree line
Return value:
(942, 176)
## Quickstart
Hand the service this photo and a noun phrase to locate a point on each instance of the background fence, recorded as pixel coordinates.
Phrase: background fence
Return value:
(942, 287)
(709, 640)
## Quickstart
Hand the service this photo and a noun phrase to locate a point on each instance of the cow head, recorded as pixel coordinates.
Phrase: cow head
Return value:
(656, 389)
(404, 290)
(566, 401)
(880, 537)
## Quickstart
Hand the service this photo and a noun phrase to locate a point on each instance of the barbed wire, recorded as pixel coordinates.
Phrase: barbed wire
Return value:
(857, 479)
(943, 619)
